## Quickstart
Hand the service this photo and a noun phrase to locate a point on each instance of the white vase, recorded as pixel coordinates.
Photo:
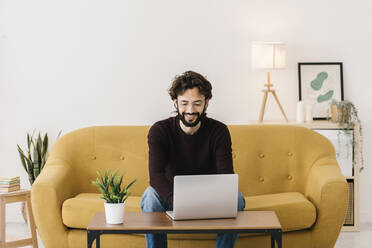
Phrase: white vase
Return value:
(114, 213)
(300, 115)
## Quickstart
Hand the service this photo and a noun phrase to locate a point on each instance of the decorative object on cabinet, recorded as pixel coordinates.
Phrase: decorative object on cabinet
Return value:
(319, 83)
(269, 56)
(301, 112)
(345, 113)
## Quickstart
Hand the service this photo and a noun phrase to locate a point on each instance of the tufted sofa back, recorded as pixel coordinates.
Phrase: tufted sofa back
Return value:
(93, 149)
(276, 158)
(268, 158)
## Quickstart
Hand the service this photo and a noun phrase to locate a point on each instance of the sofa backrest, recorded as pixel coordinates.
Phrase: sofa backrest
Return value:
(276, 158)
(268, 158)
(93, 149)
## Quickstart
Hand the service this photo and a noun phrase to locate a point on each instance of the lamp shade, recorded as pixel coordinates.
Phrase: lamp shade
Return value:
(268, 55)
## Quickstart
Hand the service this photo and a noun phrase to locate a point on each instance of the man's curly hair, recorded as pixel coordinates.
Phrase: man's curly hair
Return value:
(189, 80)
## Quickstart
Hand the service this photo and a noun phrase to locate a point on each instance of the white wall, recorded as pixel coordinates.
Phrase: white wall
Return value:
(74, 63)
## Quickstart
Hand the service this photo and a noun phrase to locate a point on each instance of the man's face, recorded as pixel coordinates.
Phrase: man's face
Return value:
(191, 105)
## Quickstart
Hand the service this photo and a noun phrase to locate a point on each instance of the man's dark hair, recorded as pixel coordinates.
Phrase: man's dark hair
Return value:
(189, 80)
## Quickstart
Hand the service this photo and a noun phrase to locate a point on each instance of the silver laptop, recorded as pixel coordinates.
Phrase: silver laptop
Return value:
(205, 197)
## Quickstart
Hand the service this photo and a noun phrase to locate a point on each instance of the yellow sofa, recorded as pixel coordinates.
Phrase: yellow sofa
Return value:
(289, 169)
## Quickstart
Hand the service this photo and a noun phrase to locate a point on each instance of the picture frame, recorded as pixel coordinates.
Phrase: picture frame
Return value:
(318, 84)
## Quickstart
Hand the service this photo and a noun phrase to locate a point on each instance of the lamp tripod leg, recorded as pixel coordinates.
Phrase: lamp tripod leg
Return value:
(263, 107)
(280, 106)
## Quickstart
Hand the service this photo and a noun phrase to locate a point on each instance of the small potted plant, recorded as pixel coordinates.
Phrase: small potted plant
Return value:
(345, 113)
(114, 192)
(340, 111)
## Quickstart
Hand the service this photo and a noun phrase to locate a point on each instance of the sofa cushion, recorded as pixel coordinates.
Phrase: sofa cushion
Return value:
(77, 212)
(294, 211)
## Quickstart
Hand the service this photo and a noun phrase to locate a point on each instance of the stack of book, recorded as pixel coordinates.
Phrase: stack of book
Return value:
(9, 184)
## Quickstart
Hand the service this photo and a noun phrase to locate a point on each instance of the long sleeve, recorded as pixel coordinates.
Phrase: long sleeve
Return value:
(158, 159)
(223, 153)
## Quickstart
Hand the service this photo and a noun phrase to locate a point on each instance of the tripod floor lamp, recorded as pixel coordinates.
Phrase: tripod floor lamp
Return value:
(269, 56)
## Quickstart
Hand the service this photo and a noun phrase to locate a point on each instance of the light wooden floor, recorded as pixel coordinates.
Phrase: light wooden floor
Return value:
(360, 239)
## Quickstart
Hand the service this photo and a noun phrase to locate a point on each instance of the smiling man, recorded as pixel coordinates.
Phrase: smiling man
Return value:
(187, 144)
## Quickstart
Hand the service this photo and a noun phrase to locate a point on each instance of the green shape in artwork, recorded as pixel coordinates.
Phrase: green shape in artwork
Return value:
(327, 96)
(317, 83)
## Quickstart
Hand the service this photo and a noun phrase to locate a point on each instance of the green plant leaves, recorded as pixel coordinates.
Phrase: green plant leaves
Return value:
(112, 186)
(37, 152)
(22, 157)
(350, 122)
(44, 148)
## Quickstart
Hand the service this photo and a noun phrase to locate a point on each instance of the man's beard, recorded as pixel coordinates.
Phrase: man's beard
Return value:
(199, 117)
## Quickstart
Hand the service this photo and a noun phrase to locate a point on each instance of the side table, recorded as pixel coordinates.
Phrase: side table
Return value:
(17, 196)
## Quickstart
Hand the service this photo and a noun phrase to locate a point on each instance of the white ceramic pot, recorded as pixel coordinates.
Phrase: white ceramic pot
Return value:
(114, 213)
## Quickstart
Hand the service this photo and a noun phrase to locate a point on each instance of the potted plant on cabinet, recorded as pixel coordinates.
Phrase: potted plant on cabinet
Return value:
(114, 192)
(345, 113)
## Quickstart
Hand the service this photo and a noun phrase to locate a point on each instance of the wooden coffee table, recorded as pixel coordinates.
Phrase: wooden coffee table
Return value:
(158, 222)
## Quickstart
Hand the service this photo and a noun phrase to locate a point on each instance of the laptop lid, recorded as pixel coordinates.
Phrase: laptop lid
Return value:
(205, 196)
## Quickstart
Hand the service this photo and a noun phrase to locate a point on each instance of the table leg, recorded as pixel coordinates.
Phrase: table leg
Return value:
(31, 222)
(98, 242)
(91, 236)
(276, 236)
(2, 223)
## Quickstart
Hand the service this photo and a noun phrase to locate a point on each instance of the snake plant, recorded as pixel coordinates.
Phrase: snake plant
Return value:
(112, 188)
(34, 159)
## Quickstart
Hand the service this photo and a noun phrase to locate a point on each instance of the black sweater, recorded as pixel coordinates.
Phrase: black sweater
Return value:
(173, 152)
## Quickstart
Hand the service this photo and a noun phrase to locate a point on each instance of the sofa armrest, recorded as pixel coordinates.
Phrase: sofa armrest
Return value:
(52, 187)
(327, 189)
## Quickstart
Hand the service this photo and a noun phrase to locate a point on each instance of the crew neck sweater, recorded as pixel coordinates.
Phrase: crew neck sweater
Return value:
(173, 152)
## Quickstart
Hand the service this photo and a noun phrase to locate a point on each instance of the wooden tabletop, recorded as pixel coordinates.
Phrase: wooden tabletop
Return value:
(160, 221)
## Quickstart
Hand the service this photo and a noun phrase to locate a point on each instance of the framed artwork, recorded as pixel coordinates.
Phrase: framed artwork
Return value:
(319, 83)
